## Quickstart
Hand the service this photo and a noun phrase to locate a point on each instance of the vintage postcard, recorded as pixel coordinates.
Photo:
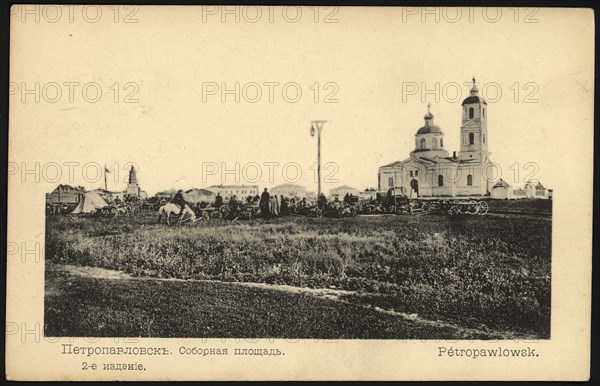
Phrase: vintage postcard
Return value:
(299, 193)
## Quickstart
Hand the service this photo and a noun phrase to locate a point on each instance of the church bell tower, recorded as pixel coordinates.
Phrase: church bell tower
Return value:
(133, 187)
(473, 130)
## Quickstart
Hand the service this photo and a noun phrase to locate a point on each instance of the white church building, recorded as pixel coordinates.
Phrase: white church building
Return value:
(431, 172)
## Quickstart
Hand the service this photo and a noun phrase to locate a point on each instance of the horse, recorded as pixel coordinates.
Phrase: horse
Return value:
(169, 208)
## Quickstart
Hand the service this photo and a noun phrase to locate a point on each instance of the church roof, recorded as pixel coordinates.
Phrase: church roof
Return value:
(501, 184)
(474, 99)
(431, 161)
(392, 164)
(429, 129)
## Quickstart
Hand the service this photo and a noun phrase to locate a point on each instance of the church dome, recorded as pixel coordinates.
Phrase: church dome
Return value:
(474, 99)
(429, 140)
(429, 129)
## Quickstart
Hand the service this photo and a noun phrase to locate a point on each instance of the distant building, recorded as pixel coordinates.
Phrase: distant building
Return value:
(109, 196)
(368, 194)
(289, 190)
(502, 191)
(196, 195)
(133, 186)
(341, 191)
(241, 191)
(65, 194)
(534, 189)
(519, 193)
(166, 195)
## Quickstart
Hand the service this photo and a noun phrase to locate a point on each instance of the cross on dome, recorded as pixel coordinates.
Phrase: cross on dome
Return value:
(474, 89)
(428, 117)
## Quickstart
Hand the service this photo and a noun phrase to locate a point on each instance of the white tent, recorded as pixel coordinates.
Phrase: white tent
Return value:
(89, 203)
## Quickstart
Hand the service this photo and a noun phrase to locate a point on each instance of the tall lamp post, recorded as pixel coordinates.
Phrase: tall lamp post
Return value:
(318, 127)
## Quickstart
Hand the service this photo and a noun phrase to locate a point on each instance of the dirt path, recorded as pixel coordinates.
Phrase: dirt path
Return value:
(331, 294)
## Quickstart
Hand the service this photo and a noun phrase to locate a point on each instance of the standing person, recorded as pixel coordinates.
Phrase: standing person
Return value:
(284, 209)
(233, 206)
(265, 200)
(218, 200)
(322, 201)
(273, 206)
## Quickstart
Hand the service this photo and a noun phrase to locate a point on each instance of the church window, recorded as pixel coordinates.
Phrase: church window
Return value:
(416, 173)
(411, 173)
(440, 180)
(471, 138)
(441, 142)
(471, 113)
(423, 143)
(391, 182)
(434, 143)
(469, 180)
(483, 112)
(484, 138)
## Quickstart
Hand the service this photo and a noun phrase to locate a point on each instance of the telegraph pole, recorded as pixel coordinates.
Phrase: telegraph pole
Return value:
(318, 125)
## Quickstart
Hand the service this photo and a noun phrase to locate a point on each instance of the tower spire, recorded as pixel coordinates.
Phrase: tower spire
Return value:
(474, 89)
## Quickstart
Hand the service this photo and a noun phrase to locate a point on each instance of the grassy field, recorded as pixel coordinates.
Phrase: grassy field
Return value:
(99, 307)
(485, 272)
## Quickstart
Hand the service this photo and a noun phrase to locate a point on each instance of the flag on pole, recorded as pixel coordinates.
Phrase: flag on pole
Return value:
(106, 171)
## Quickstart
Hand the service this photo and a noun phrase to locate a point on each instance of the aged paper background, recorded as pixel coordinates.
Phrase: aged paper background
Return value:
(370, 54)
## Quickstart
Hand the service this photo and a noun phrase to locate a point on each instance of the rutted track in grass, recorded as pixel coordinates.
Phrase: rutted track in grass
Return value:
(335, 298)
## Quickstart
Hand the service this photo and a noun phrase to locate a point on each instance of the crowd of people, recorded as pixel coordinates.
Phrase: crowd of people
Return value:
(270, 205)
(273, 206)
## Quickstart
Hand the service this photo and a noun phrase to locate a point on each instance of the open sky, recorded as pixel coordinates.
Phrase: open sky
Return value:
(374, 64)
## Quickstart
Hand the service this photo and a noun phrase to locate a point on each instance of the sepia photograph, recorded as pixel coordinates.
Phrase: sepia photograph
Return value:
(394, 176)
(435, 249)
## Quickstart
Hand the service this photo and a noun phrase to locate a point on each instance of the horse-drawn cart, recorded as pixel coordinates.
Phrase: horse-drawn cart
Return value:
(207, 212)
(456, 207)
